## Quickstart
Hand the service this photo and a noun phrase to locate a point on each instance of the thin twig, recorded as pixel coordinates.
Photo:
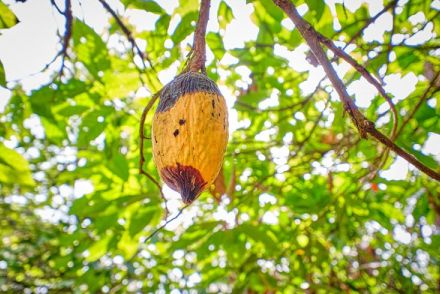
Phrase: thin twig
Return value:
(197, 59)
(67, 34)
(379, 163)
(157, 230)
(165, 224)
(315, 125)
(369, 22)
(67, 13)
(134, 46)
(364, 126)
(302, 102)
(141, 149)
(56, 6)
(390, 44)
(381, 159)
(402, 153)
(421, 101)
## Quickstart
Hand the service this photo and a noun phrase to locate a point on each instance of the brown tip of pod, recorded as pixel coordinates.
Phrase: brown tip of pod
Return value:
(184, 179)
(185, 83)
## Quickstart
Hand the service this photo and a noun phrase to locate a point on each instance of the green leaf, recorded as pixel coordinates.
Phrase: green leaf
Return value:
(41, 101)
(147, 5)
(54, 132)
(215, 42)
(90, 49)
(407, 59)
(141, 219)
(14, 168)
(316, 7)
(162, 24)
(186, 6)
(422, 207)
(224, 14)
(98, 248)
(70, 110)
(92, 125)
(185, 28)
(7, 17)
(12, 158)
(268, 8)
(119, 166)
(389, 211)
(2, 75)
(425, 112)
(11, 176)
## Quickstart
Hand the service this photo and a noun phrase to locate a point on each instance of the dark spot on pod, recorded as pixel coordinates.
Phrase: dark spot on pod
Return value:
(182, 121)
(184, 179)
(212, 114)
(219, 114)
(155, 140)
(213, 103)
(176, 133)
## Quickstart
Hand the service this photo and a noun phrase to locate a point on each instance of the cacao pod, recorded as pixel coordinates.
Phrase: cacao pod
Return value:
(190, 133)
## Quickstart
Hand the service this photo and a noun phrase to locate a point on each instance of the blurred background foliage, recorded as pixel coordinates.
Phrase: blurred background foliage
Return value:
(306, 206)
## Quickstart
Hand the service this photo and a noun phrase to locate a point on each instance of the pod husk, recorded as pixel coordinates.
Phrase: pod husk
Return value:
(190, 134)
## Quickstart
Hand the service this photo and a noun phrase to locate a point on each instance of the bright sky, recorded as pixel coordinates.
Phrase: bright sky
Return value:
(30, 45)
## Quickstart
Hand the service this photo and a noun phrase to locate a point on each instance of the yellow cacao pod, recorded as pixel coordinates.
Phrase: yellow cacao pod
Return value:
(190, 133)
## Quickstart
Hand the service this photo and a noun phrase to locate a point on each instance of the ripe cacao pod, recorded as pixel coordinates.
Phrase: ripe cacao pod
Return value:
(190, 133)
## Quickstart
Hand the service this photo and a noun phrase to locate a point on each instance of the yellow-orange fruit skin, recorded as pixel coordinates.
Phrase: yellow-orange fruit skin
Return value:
(189, 142)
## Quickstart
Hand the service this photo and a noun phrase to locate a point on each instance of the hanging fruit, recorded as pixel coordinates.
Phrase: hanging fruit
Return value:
(190, 133)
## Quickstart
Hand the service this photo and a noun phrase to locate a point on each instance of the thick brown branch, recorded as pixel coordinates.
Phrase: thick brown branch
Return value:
(402, 153)
(364, 72)
(364, 126)
(198, 57)
(313, 41)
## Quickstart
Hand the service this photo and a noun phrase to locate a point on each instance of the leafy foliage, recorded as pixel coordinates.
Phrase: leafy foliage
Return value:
(304, 206)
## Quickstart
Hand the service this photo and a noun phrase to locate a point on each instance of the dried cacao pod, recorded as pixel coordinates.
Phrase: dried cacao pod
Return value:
(190, 133)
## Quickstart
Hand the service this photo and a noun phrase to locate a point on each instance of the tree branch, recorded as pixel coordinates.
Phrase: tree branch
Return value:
(67, 13)
(421, 101)
(67, 33)
(364, 72)
(157, 230)
(56, 6)
(364, 126)
(129, 36)
(141, 149)
(198, 56)
(165, 224)
(369, 22)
